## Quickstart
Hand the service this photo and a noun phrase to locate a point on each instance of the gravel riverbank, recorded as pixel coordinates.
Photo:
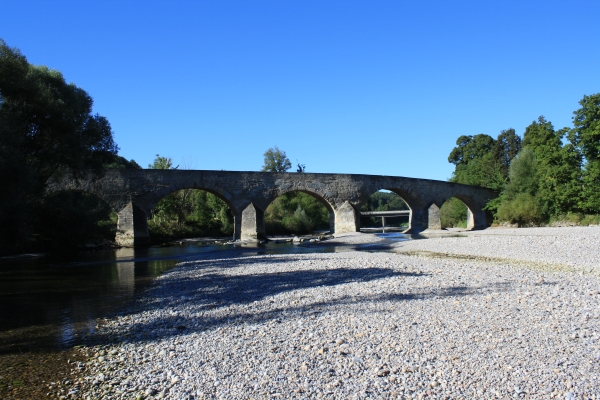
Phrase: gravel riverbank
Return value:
(360, 324)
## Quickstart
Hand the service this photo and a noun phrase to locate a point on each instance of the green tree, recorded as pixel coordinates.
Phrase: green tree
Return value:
(585, 136)
(469, 148)
(475, 163)
(519, 201)
(506, 147)
(276, 161)
(162, 163)
(46, 128)
(558, 167)
(296, 212)
(121, 163)
(188, 212)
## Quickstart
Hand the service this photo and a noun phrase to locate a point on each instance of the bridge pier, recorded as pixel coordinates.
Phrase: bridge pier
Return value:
(477, 219)
(434, 221)
(132, 226)
(252, 225)
(347, 219)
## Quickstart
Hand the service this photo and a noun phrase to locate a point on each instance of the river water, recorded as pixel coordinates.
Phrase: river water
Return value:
(52, 302)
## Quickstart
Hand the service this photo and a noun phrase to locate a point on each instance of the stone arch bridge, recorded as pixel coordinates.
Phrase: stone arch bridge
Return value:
(134, 193)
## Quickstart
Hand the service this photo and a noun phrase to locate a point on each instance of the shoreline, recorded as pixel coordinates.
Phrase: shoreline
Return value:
(359, 324)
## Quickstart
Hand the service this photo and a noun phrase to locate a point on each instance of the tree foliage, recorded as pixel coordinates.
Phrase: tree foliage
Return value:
(46, 128)
(585, 137)
(188, 212)
(275, 160)
(296, 213)
(549, 174)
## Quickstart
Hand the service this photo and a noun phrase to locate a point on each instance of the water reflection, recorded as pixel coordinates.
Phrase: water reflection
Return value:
(53, 302)
(48, 303)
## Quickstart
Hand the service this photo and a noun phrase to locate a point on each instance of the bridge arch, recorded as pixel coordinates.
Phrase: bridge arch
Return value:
(474, 216)
(269, 215)
(133, 193)
(382, 204)
(193, 210)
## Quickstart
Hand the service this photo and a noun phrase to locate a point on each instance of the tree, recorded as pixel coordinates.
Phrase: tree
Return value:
(558, 167)
(506, 148)
(46, 128)
(122, 163)
(469, 148)
(520, 201)
(301, 168)
(275, 161)
(177, 203)
(162, 163)
(585, 136)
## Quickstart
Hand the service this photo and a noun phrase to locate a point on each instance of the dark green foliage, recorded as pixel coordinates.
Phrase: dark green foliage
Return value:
(586, 132)
(585, 136)
(453, 214)
(296, 213)
(556, 173)
(276, 161)
(46, 128)
(558, 167)
(67, 220)
(482, 171)
(479, 161)
(523, 209)
(469, 148)
(523, 175)
(506, 147)
(188, 212)
(520, 201)
(119, 162)
(590, 188)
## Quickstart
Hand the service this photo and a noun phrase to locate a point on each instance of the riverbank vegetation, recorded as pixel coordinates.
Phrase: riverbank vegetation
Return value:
(546, 176)
(187, 213)
(47, 129)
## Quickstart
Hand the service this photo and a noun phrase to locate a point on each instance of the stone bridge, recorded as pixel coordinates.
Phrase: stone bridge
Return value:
(134, 193)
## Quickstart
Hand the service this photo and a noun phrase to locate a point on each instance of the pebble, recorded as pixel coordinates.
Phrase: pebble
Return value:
(359, 324)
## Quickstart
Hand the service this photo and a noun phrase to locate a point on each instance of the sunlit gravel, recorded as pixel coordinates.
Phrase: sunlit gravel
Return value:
(363, 325)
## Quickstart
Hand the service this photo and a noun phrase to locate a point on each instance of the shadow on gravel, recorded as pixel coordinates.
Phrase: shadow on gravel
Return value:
(198, 297)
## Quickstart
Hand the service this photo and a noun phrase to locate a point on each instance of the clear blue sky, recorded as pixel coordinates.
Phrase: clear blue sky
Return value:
(373, 87)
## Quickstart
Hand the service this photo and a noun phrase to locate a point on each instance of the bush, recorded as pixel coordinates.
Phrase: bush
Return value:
(453, 214)
(524, 209)
(295, 213)
(577, 219)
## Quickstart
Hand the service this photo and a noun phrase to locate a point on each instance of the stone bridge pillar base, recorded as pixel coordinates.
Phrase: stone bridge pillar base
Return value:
(132, 227)
(346, 219)
(253, 224)
(433, 218)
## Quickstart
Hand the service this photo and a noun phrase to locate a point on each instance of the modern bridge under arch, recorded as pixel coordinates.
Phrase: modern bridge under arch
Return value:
(133, 193)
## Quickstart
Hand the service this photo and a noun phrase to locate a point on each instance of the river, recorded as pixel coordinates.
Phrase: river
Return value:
(53, 302)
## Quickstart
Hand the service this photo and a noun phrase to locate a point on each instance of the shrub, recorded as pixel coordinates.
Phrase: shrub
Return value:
(453, 214)
(523, 209)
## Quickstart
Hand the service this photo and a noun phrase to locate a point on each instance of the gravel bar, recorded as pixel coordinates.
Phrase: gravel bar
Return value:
(568, 248)
(362, 325)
